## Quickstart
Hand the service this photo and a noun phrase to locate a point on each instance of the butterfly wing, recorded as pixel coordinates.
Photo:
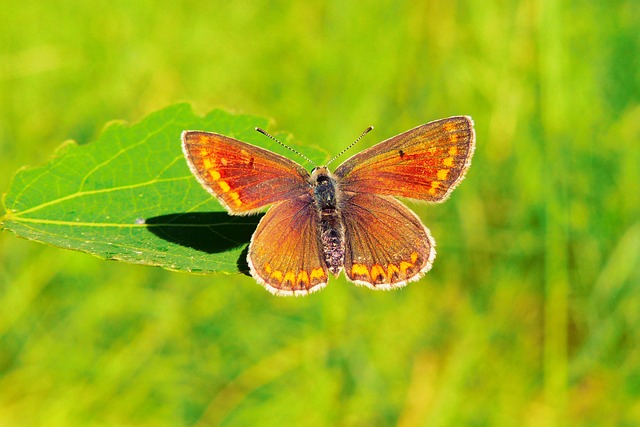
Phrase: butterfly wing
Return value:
(386, 245)
(242, 176)
(285, 254)
(424, 163)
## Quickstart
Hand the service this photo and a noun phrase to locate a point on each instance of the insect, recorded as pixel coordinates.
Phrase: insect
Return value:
(321, 222)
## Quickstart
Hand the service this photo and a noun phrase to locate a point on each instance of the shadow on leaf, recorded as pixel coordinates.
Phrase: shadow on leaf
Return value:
(210, 232)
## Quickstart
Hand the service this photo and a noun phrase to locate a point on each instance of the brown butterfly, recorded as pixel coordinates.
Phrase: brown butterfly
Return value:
(323, 222)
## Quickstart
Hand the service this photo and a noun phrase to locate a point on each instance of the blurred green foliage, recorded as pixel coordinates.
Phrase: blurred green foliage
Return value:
(531, 314)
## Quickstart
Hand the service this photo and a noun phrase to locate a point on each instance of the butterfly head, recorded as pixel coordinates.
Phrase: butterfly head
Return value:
(318, 171)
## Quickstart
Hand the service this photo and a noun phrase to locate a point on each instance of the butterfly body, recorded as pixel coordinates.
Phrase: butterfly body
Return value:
(327, 197)
(348, 220)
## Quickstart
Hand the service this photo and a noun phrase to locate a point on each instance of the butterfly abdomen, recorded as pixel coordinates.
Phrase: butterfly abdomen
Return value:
(331, 227)
(332, 237)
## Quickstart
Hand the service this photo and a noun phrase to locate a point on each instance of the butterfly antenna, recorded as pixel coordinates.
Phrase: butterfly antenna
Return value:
(265, 133)
(366, 131)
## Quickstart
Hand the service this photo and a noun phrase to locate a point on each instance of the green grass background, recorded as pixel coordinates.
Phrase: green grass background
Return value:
(531, 314)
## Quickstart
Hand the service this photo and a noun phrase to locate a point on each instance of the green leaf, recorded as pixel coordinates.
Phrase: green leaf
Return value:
(130, 196)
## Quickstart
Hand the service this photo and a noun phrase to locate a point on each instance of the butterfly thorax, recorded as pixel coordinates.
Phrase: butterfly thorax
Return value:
(326, 197)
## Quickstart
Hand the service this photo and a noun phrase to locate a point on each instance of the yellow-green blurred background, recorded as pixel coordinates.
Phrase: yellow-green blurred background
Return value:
(531, 314)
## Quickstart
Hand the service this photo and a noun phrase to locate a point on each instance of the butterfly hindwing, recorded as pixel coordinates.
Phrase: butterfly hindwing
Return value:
(386, 245)
(424, 163)
(242, 176)
(285, 254)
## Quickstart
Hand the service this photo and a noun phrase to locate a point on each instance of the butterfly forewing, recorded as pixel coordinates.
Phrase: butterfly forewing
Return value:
(424, 163)
(242, 176)
(285, 253)
(386, 245)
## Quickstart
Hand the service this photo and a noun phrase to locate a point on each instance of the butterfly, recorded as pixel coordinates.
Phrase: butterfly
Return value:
(323, 222)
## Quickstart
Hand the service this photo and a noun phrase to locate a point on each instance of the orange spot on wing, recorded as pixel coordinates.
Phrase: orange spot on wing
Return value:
(223, 186)
(359, 270)
(448, 161)
(414, 257)
(236, 198)
(443, 173)
(303, 278)
(449, 126)
(434, 186)
(377, 272)
(317, 273)
(404, 266)
(392, 269)
(453, 151)
(267, 267)
(277, 275)
(203, 152)
(290, 276)
(214, 174)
